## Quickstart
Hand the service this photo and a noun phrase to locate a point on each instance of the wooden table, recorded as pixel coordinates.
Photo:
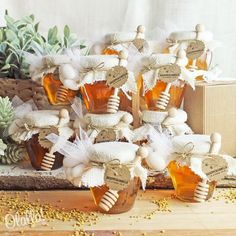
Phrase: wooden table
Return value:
(211, 218)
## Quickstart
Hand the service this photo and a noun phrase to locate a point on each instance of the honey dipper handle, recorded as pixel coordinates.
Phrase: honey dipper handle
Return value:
(215, 143)
(108, 200)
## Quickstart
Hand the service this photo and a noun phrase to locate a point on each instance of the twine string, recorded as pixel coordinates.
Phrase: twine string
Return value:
(98, 67)
(186, 153)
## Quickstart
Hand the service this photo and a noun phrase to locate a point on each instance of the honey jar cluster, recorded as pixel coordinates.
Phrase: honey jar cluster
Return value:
(118, 119)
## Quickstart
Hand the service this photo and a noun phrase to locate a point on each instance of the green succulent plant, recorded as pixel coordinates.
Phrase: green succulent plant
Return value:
(13, 154)
(3, 147)
(19, 36)
(6, 112)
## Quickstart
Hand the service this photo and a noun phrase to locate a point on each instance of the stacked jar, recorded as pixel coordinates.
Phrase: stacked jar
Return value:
(198, 45)
(32, 130)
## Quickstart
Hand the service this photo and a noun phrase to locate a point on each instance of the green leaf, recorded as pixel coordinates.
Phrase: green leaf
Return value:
(82, 46)
(28, 19)
(14, 66)
(9, 20)
(36, 27)
(1, 35)
(15, 54)
(66, 31)
(26, 45)
(13, 44)
(37, 47)
(32, 17)
(9, 58)
(10, 35)
(52, 35)
(6, 67)
(65, 42)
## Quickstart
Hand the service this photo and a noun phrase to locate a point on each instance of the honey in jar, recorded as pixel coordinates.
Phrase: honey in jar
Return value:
(158, 94)
(110, 173)
(56, 92)
(33, 129)
(126, 198)
(59, 76)
(185, 182)
(195, 44)
(96, 93)
(190, 182)
(37, 153)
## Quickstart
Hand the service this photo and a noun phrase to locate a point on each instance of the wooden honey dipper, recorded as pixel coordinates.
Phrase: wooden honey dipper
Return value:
(140, 31)
(114, 100)
(199, 28)
(49, 158)
(66, 72)
(62, 94)
(164, 97)
(202, 189)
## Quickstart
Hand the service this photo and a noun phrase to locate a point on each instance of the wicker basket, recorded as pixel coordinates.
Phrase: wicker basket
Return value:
(26, 90)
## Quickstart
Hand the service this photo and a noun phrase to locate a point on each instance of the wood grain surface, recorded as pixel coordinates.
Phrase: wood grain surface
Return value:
(216, 217)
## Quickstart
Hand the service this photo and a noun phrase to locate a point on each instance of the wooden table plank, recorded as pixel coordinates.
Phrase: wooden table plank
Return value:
(210, 218)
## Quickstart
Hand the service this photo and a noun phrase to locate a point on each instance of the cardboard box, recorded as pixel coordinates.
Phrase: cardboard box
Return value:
(212, 108)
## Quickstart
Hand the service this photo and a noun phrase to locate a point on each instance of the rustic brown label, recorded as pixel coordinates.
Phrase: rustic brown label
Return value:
(169, 73)
(106, 135)
(43, 141)
(195, 49)
(117, 177)
(215, 168)
(117, 76)
(140, 44)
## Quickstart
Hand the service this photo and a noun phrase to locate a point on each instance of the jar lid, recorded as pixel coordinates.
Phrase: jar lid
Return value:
(45, 118)
(108, 120)
(201, 143)
(57, 59)
(159, 59)
(122, 36)
(153, 116)
(200, 33)
(109, 151)
(107, 61)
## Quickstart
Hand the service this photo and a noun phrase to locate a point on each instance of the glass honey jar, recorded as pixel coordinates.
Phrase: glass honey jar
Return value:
(59, 78)
(123, 40)
(56, 91)
(126, 197)
(113, 172)
(160, 82)
(186, 168)
(101, 96)
(197, 46)
(33, 130)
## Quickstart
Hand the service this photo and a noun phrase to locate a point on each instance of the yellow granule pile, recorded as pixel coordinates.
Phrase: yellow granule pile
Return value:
(19, 203)
(162, 206)
(228, 195)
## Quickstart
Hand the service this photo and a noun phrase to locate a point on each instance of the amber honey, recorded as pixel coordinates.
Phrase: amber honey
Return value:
(151, 96)
(96, 97)
(185, 182)
(36, 154)
(126, 198)
(57, 94)
(108, 51)
(199, 64)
